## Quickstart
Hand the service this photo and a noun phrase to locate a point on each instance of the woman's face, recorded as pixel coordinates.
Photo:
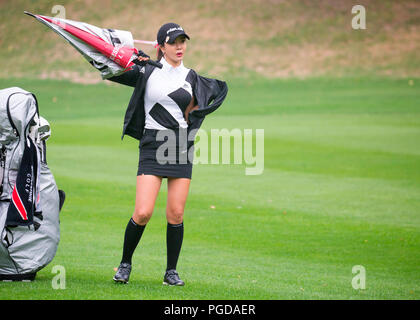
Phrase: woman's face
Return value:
(174, 52)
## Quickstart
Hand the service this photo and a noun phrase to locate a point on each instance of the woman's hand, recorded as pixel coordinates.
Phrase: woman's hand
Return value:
(189, 109)
(143, 58)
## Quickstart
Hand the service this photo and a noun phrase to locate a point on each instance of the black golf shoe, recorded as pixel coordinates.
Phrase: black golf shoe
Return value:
(172, 278)
(123, 273)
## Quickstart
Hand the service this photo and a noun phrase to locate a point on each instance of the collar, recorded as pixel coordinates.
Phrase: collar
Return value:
(170, 68)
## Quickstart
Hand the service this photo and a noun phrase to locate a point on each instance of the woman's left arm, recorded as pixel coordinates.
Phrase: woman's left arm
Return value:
(192, 106)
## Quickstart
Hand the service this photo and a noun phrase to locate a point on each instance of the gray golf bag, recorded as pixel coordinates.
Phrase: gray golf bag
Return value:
(29, 199)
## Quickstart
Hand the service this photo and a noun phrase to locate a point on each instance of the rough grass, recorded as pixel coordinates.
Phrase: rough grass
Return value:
(233, 38)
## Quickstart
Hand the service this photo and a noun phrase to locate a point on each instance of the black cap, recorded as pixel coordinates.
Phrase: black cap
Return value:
(169, 32)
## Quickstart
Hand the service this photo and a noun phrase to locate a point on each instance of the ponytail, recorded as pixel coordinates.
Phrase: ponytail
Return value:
(159, 54)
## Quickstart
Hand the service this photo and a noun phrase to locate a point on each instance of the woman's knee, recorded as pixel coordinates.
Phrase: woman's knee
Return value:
(142, 216)
(175, 216)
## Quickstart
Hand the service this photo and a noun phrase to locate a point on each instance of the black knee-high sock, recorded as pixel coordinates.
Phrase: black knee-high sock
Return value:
(174, 236)
(133, 233)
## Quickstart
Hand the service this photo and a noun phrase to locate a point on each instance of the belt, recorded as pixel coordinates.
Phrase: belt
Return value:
(153, 132)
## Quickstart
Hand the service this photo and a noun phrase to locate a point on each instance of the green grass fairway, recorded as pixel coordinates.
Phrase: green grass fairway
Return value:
(340, 188)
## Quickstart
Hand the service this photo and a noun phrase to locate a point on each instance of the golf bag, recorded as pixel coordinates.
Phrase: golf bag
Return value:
(29, 199)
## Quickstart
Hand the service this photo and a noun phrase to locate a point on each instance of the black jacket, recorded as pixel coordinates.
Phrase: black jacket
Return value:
(208, 93)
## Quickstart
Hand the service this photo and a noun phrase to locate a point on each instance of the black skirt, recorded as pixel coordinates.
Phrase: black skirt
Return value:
(166, 153)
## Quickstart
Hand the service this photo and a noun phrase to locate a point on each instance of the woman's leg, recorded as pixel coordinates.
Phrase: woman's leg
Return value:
(177, 196)
(146, 193)
(147, 190)
(178, 189)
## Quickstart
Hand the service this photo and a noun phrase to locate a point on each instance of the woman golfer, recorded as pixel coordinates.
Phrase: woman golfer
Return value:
(170, 102)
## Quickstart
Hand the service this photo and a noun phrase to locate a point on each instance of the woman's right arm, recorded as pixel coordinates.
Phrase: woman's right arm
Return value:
(129, 78)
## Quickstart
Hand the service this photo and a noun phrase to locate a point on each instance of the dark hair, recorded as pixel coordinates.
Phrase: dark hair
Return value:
(159, 54)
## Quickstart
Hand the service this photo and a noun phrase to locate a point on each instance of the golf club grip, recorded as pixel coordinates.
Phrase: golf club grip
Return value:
(155, 63)
(152, 62)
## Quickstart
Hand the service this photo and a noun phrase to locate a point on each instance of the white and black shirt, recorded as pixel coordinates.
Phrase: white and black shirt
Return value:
(167, 95)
